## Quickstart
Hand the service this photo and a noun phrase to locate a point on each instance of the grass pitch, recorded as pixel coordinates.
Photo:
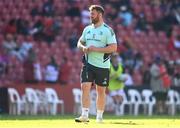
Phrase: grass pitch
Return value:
(110, 121)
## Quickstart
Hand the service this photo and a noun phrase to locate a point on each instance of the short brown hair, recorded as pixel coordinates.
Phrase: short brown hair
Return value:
(98, 8)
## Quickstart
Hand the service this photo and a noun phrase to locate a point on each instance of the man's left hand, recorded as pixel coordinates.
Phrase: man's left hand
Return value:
(92, 49)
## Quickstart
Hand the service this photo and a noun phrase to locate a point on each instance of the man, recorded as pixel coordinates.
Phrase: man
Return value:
(157, 84)
(97, 42)
(116, 84)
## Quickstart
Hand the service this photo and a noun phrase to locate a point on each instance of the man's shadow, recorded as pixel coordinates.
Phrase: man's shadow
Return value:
(124, 123)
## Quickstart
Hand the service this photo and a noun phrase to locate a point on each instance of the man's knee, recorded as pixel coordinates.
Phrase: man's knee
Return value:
(86, 86)
(101, 91)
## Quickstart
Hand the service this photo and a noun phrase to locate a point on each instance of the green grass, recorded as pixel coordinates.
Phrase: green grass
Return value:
(110, 121)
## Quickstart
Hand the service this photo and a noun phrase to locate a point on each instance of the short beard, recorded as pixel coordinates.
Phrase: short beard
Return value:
(94, 21)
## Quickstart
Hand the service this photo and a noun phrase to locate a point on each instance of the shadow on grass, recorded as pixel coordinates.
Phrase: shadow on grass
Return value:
(125, 123)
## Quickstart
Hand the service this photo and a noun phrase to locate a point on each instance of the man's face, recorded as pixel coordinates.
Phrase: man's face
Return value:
(94, 15)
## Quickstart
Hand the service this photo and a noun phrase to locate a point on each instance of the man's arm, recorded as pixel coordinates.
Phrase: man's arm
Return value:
(108, 49)
(81, 46)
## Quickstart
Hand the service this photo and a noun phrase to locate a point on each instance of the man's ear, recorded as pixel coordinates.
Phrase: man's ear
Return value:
(100, 14)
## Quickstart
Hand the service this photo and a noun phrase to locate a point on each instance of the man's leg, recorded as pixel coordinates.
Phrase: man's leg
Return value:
(101, 98)
(118, 102)
(85, 101)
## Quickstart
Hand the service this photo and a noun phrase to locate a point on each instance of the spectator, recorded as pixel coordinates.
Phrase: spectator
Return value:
(74, 11)
(11, 27)
(126, 16)
(85, 17)
(177, 42)
(170, 18)
(37, 71)
(48, 8)
(116, 84)
(141, 23)
(157, 85)
(22, 53)
(37, 29)
(48, 31)
(166, 80)
(45, 29)
(57, 25)
(65, 70)
(51, 71)
(146, 75)
(73, 40)
(4, 66)
(77, 24)
(127, 75)
(175, 7)
(1, 26)
(129, 59)
(176, 80)
(128, 52)
(36, 10)
(170, 46)
(29, 67)
(173, 44)
(113, 14)
(22, 26)
(10, 45)
(138, 61)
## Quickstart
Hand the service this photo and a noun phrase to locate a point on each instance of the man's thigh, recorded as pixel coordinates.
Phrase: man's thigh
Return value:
(102, 77)
(86, 75)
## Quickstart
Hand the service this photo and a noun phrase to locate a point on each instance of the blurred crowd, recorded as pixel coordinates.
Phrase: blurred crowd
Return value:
(38, 38)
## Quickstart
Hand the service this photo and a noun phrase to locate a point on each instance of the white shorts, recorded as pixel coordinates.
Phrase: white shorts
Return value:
(117, 92)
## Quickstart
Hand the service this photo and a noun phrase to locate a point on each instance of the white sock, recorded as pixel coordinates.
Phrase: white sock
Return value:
(99, 114)
(85, 112)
